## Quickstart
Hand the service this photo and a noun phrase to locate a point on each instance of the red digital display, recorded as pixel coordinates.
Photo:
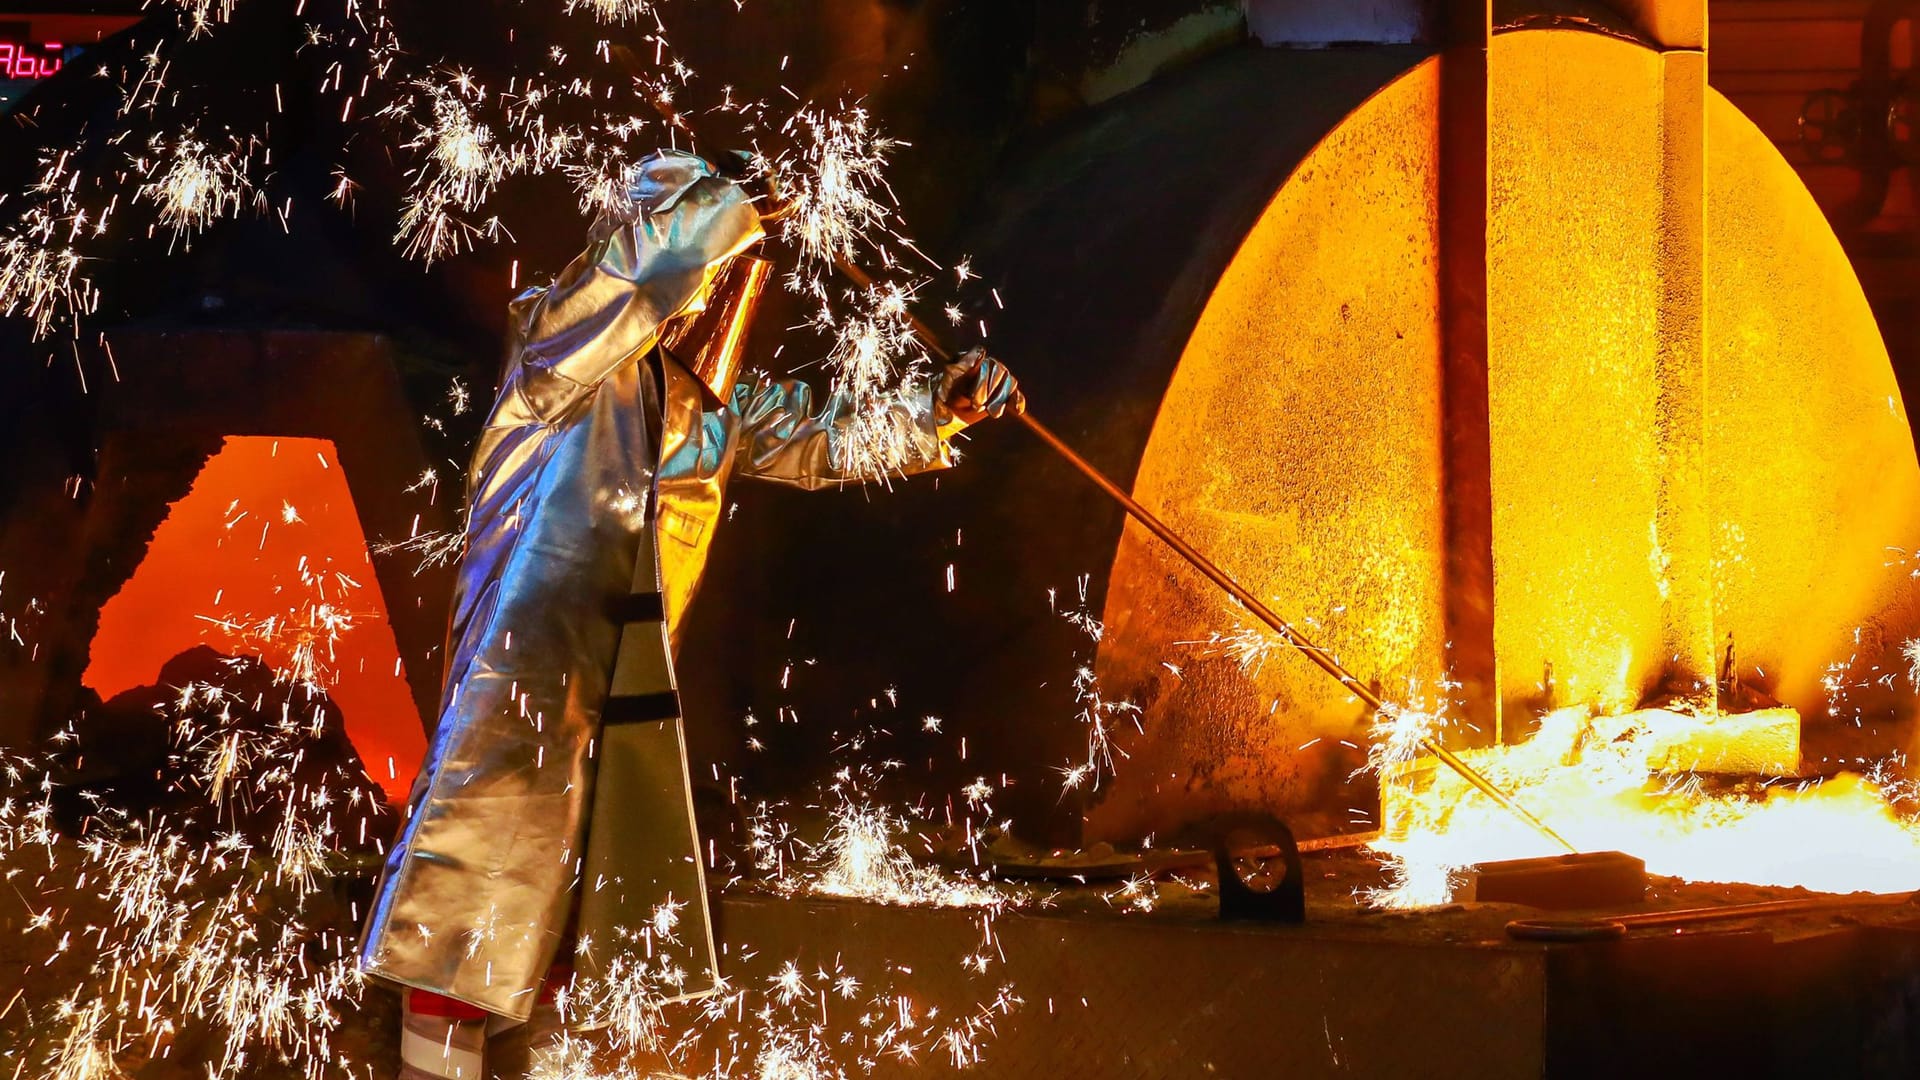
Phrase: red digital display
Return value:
(19, 60)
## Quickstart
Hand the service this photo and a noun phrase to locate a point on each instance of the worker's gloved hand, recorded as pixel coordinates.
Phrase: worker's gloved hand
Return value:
(759, 177)
(977, 387)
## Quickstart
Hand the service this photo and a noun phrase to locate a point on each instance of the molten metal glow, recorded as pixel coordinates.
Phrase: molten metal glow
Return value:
(227, 569)
(1615, 783)
(1299, 444)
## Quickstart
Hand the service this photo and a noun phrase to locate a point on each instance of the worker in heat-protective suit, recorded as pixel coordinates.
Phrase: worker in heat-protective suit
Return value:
(554, 802)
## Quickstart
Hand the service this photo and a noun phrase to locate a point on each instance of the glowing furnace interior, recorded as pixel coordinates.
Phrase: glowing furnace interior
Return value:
(1704, 491)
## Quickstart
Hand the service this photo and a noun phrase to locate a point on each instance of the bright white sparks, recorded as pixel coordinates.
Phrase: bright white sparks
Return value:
(191, 185)
(864, 859)
(460, 163)
(617, 12)
(1248, 646)
(41, 284)
(432, 549)
(876, 364)
(1097, 714)
(1397, 736)
(210, 916)
(40, 277)
(202, 15)
(836, 180)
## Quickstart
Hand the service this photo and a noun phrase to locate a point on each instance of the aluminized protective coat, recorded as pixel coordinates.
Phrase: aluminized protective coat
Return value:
(595, 435)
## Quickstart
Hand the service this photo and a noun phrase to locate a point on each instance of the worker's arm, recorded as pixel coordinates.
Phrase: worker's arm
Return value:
(785, 438)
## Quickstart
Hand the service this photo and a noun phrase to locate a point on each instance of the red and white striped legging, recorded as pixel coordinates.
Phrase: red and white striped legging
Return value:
(445, 1039)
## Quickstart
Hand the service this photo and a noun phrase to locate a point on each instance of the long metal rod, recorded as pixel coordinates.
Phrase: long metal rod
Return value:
(1206, 566)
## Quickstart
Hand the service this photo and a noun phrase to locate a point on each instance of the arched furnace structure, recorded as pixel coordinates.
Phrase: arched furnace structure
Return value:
(1299, 439)
(1239, 290)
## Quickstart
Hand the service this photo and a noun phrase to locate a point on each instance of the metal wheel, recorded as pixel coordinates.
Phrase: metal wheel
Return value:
(1903, 121)
(1829, 125)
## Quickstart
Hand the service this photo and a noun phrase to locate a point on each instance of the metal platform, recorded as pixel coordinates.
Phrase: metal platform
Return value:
(1175, 993)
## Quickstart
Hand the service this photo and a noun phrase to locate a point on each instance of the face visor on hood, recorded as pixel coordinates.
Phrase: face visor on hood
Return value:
(710, 336)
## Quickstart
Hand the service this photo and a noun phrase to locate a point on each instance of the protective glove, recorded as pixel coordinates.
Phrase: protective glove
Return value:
(760, 179)
(977, 387)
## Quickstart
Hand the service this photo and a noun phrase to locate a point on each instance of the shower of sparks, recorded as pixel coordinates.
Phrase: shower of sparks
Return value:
(824, 1017)
(41, 284)
(836, 179)
(1397, 736)
(459, 165)
(207, 918)
(40, 277)
(81, 1054)
(1080, 616)
(191, 185)
(627, 998)
(1248, 646)
(1140, 893)
(1412, 884)
(805, 1018)
(809, 1019)
(588, 117)
(861, 854)
(217, 922)
(432, 549)
(1911, 651)
(877, 362)
(617, 12)
(305, 641)
(864, 860)
(1097, 715)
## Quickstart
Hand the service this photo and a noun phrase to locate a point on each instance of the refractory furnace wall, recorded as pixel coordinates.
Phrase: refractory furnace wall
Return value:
(1298, 440)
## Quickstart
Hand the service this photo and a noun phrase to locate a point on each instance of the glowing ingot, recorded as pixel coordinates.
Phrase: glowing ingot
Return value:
(1762, 743)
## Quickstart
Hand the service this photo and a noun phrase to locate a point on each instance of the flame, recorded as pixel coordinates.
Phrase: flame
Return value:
(1637, 782)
